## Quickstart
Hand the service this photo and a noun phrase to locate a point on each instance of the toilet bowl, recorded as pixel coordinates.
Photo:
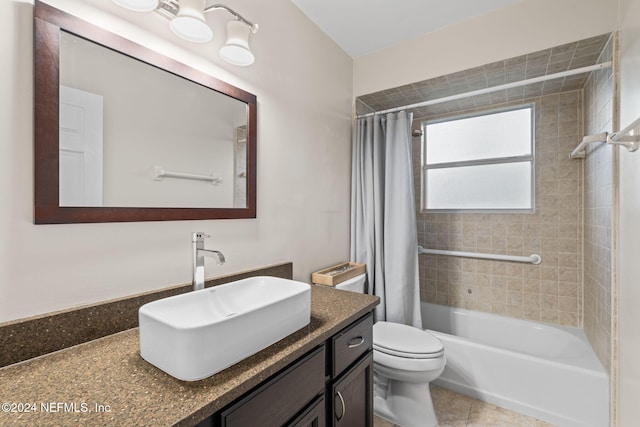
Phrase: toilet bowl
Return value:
(405, 361)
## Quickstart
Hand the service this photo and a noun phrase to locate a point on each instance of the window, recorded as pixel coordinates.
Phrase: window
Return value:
(482, 162)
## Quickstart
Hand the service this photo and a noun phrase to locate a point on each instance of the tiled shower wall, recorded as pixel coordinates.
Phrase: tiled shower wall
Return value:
(549, 292)
(599, 202)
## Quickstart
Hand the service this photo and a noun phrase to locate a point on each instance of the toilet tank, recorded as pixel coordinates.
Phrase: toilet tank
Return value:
(355, 284)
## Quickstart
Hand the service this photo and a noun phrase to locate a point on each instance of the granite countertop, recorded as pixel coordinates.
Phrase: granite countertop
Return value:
(106, 382)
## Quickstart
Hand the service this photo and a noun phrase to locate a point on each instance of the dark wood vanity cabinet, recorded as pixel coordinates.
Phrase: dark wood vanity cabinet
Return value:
(331, 385)
(351, 368)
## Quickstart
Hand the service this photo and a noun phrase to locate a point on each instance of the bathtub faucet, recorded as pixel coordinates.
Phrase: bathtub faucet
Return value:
(199, 252)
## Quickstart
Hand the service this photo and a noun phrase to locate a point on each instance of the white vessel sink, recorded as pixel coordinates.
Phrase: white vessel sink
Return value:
(195, 335)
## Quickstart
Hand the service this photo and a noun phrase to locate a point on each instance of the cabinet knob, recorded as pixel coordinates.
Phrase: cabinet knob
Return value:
(343, 410)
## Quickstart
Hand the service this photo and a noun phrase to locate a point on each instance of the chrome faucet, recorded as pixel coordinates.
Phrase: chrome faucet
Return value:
(199, 252)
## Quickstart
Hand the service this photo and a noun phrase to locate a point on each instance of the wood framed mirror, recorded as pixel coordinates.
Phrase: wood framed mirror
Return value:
(123, 133)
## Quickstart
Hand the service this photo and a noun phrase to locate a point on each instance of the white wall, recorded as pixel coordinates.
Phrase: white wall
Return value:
(629, 228)
(518, 29)
(303, 83)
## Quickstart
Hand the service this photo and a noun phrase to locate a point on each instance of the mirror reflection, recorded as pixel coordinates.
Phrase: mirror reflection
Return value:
(133, 135)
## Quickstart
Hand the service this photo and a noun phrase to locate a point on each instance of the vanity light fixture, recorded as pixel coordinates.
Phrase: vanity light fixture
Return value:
(186, 20)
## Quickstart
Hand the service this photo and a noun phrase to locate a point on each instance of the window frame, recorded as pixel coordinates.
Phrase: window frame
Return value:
(424, 167)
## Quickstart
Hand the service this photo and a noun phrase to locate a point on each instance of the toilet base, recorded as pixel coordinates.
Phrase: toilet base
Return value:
(404, 404)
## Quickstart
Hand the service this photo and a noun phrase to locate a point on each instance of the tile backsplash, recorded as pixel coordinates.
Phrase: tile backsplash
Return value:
(549, 292)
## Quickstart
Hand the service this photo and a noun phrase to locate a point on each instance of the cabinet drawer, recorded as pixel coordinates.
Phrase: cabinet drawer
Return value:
(350, 344)
(277, 401)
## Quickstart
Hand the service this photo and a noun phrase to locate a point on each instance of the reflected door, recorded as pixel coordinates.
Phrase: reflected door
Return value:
(80, 148)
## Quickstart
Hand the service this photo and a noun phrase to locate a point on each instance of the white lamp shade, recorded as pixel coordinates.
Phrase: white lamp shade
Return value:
(236, 50)
(138, 5)
(190, 23)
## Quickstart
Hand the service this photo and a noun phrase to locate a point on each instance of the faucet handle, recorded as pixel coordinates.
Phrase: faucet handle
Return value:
(199, 236)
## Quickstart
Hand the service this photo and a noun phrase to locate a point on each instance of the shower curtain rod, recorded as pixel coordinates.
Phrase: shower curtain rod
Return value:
(622, 135)
(494, 88)
(630, 142)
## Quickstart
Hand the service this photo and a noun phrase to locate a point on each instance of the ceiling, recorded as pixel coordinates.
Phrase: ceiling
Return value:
(361, 27)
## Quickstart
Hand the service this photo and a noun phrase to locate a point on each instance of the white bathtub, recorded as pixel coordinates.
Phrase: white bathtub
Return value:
(545, 371)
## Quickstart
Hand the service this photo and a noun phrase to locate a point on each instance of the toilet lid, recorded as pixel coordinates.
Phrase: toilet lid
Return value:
(405, 341)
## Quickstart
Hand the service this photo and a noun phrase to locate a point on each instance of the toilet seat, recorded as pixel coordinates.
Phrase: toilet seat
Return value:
(404, 341)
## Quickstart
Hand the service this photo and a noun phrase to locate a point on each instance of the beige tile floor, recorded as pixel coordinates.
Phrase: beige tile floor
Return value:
(457, 410)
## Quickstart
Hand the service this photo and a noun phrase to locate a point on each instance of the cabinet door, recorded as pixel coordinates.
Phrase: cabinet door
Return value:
(312, 417)
(352, 398)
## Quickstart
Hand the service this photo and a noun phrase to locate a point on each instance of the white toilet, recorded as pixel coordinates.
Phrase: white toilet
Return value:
(405, 361)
